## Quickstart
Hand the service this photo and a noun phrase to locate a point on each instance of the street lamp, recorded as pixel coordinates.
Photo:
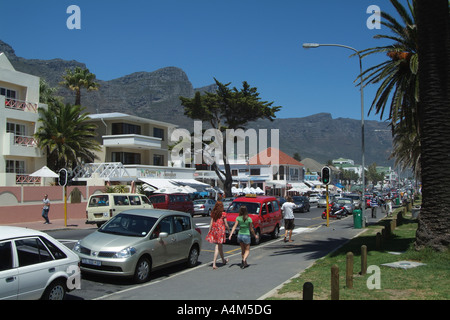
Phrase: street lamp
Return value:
(316, 45)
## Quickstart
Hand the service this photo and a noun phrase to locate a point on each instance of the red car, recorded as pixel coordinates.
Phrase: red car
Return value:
(265, 212)
(174, 201)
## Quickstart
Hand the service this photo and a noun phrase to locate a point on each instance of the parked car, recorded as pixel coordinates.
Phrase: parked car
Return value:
(103, 206)
(226, 202)
(173, 201)
(347, 203)
(356, 199)
(204, 206)
(265, 212)
(314, 198)
(281, 200)
(303, 202)
(135, 242)
(33, 265)
(322, 203)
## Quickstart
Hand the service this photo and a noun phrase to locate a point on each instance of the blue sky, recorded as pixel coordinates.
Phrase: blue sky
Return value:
(258, 41)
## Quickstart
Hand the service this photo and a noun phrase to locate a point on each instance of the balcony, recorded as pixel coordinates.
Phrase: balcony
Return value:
(17, 145)
(21, 105)
(133, 141)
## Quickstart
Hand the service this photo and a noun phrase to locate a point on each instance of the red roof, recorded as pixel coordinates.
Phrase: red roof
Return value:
(284, 159)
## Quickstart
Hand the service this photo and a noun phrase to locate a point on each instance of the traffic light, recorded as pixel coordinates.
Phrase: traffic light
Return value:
(62, 179)
(326, 175)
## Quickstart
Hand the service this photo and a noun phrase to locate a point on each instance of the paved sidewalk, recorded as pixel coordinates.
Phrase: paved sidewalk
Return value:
(57, 224)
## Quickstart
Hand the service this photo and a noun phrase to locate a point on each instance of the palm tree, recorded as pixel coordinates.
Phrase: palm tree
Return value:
(66, 136)
(433, 30)
(399, 84)
(77, 79)
(399, 74)
(418, 99)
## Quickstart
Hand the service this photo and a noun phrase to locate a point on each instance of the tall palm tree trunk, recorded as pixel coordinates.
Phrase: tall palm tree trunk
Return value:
(433, 27)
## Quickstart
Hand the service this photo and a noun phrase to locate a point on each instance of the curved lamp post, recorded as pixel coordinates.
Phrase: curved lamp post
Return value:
(316, 45)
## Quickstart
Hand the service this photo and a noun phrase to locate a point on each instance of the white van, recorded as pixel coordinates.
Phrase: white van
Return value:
(103, 206)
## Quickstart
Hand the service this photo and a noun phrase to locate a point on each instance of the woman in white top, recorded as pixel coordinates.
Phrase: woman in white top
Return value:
(288, 216)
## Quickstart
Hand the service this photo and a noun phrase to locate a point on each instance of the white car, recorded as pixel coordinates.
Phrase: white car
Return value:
(314, 198)
(33, 265)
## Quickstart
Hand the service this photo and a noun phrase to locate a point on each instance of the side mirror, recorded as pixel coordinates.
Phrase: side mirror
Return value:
(163, 235)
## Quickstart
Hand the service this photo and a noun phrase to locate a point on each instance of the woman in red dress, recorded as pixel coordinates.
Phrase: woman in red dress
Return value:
(216, 232)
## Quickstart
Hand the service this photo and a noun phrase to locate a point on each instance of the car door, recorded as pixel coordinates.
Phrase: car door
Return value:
(270, 217)
(9, 281)
(184, 234)
(36, 266)
(164, 248)
(264, 221)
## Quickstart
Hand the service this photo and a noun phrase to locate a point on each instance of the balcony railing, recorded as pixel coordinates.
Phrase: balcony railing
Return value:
(21, 105)
(26, 179)
(25, 141)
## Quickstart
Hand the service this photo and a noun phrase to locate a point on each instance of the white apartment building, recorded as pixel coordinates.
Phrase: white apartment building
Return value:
(19, 102)
(133, 148)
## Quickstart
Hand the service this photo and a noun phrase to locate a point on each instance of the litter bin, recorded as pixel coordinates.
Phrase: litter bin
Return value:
(357, 219)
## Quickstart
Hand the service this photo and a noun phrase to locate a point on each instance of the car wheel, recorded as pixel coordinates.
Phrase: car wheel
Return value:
(193, 256)
(142, 271)
(55, 291)
(257, 240)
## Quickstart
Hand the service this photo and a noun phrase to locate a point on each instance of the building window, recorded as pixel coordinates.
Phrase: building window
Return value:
(158, 133)
(15, 166)
(10, 94)
(158, 160)
(255, 172)
(17, 129)
(125, 128)
(126, 157)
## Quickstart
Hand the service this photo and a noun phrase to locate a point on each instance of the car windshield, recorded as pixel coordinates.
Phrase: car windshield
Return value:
(129, 225)
(199, 201)
(252, 207)
(344, 201)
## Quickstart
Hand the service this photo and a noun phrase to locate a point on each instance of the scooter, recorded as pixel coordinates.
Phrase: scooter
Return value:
(336, 211)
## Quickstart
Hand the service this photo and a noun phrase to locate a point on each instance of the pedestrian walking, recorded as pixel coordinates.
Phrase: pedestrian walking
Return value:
(374, 205)
(287, 210)
(216, 233)
(46, 209)
(245, 224)
(389, 207)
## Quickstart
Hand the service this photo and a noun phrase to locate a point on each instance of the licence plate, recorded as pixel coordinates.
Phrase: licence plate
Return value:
(91, 262)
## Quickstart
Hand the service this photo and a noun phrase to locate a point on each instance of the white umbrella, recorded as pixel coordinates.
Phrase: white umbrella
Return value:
(44, 172)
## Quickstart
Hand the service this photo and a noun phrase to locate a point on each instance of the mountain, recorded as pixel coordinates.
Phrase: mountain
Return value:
(155, 95)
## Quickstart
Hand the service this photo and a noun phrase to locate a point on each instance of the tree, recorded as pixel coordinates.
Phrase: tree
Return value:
(373, 175)
(297, 156)
(77, 79)
(433, 28)
(416, 82)
(65, 135)
(228, 109)
(398, 83)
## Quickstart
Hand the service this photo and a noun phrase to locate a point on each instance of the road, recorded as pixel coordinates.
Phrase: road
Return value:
(272, 262)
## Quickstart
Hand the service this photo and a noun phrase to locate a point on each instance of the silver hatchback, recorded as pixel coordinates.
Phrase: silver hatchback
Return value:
(135, 242)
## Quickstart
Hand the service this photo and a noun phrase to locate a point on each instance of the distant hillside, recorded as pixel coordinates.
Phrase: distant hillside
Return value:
(155, 95)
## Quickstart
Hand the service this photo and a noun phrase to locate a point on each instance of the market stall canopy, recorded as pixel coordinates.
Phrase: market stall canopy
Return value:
(44, 172)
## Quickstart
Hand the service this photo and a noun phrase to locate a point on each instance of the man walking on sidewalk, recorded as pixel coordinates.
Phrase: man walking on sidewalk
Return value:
(46, 209)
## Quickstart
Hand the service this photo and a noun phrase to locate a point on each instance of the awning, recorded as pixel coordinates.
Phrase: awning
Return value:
(174, 184)
(158, 183)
